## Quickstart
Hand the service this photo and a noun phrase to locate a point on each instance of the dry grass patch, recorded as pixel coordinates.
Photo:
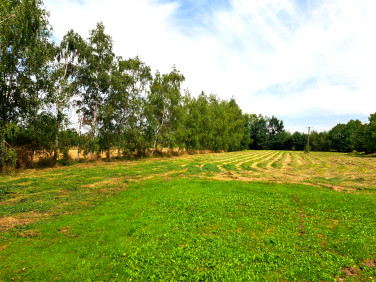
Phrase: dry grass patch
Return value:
(7, 223)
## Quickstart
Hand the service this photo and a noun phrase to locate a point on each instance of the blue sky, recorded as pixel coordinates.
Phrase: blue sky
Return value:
(310, 63)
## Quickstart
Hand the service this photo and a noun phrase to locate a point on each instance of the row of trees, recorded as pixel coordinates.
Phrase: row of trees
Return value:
(269, 133)
(118, 103)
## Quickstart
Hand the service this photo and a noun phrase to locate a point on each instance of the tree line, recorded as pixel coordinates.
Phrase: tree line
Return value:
(119, 104)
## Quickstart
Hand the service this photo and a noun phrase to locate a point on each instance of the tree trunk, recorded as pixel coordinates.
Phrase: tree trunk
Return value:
(59, 111)
(94, 126)
(79, 136)
(56, 151)
(56, 146)
(154, 147)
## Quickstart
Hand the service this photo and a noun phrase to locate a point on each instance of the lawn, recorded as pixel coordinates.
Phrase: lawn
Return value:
(254, 215)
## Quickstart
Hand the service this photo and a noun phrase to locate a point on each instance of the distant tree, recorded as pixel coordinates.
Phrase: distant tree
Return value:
(352, 128)
(219, 130)
(235, 123)
(369, 137)
(341, 136)
(259, 132)
(277, 135)
(187, 126)
(297, 141)
(200, 112)
(246, 140)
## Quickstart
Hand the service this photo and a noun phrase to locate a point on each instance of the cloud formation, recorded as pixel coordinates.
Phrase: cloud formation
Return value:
(296, 59)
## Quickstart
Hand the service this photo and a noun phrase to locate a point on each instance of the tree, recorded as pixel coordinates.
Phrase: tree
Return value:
(369, 136)
(95, 78)
(235, 123)
(163, 101)
(246, 140)
(277, 134)
(25, 52)
(130, 81)
(67, 58)
(297, 141)
(259, 132)
(341, 136)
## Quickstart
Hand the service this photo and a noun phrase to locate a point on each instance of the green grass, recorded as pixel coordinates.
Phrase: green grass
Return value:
(171, 220)
(230, 167)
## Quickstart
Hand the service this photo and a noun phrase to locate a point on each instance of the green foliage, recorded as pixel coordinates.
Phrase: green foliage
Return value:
(164, 102)
(297, 141)
(24, 54)
(125, 112)
(369, 135)
(95, 78)
(307, 149)
(8, 156)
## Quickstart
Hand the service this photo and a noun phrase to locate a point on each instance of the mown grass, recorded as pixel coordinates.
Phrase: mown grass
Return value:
(176, 219)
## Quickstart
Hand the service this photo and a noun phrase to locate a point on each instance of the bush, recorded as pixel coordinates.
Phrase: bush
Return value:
(307, 149)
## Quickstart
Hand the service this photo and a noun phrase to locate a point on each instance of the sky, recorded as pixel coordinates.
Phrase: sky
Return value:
(308, 62)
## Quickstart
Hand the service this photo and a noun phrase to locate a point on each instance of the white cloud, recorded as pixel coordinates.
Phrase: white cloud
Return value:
(248, 48)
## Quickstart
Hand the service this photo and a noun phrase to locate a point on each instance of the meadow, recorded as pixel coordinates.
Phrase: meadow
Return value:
(250, 215)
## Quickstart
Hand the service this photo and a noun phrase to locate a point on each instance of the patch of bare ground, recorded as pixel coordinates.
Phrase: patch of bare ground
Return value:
(64, 192)
(333, 224)
(371, 263)
(7, 223)
(3, 247)
(29, 233)
(356, 270)
(350, 271)
(67, 231)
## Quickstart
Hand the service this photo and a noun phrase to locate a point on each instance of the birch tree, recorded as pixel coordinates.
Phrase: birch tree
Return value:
(68, 57)
(130, 81)
(25, 52)
(95, 78)
(163, 101)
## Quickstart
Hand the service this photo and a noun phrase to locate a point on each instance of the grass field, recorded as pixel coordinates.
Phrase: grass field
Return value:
(252, 215)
